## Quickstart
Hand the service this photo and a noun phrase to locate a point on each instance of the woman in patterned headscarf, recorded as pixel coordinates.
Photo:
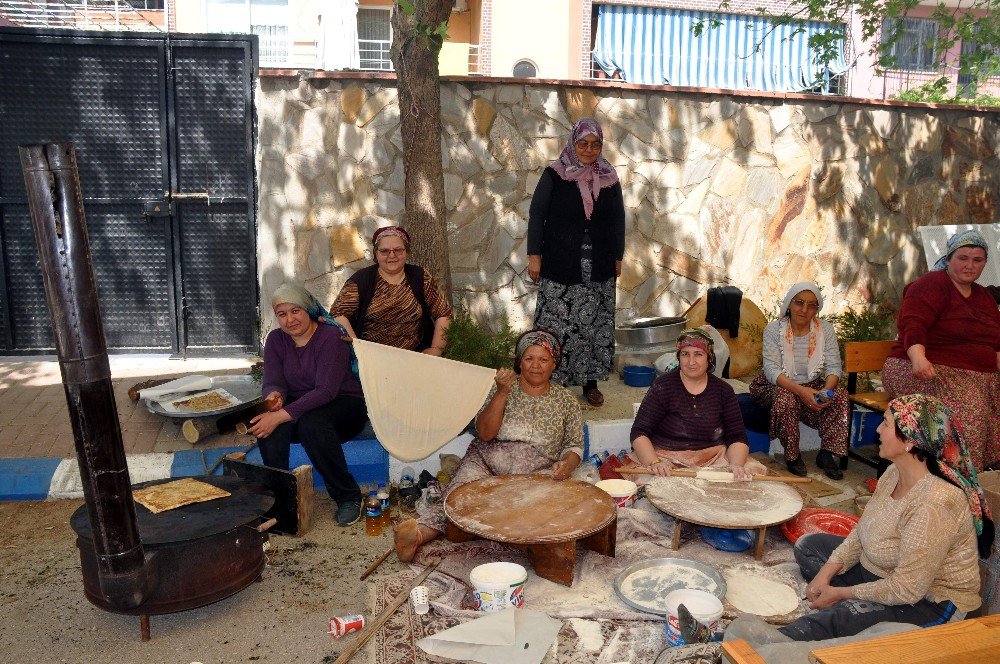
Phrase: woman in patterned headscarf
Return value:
(949, 345)
(528, 425)
(913, 556)
(576, 240)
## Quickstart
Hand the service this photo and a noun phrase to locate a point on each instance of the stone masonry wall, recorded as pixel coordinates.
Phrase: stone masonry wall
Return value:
(755, 191)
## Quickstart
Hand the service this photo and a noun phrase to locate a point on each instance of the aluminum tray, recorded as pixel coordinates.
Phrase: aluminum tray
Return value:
(707, 570)
(244, 388)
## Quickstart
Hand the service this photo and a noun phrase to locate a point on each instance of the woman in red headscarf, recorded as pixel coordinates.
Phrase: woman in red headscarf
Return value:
(394, 302)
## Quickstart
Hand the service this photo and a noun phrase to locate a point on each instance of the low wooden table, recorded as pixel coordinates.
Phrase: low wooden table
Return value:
(538, 515)
(736, 505)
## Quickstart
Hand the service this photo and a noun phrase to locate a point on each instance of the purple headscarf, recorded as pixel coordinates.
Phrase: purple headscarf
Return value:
(590, 179)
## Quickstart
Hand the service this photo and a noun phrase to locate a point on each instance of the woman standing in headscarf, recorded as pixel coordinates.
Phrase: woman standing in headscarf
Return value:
(949, 345)
(527, 425)
(913, 556)
(801, 366)
(576, 240)
(307, 367)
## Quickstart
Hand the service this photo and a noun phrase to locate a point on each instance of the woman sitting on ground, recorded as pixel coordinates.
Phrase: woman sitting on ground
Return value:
(529, 424)
(802, 360)
(393, 302)
(913, 556)
(691, 418)
(307, 367)
(949, 345)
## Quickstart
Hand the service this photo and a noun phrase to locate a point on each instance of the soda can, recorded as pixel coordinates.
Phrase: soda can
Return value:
(341, 625)
(595, 460)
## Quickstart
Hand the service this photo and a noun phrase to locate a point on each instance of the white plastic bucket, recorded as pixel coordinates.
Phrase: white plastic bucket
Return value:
(623, 491)
(704, 607)
(497, 586)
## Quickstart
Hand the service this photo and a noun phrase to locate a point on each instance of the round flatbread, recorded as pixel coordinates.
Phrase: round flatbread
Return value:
(759, 595)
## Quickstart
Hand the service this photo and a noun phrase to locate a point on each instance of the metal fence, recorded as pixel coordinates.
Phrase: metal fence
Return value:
(375, 54)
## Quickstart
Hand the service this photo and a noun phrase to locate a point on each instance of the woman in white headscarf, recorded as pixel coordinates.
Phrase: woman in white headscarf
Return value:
(801, 367)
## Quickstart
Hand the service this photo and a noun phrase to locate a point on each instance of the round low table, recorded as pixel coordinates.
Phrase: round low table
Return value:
(736, 505)
(538, 515)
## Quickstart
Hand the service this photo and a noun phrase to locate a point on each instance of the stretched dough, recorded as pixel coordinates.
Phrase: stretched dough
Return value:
(758, 595)
(418, 402)
(715, 475)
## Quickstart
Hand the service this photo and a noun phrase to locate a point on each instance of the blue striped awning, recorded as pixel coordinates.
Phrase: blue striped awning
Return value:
(657, 46)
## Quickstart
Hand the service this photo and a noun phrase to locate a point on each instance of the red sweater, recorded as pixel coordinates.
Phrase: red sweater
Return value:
(956, 331)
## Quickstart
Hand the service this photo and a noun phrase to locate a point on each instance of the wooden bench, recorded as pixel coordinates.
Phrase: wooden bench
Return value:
(861, 357)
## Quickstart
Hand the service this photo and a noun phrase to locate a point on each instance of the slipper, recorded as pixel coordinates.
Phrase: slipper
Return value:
(594, 397)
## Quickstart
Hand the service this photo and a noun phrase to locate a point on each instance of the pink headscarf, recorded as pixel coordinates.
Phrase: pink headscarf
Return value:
(590, 179)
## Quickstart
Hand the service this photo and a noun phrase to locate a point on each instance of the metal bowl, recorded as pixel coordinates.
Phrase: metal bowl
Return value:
(628, 334)
(707, 570)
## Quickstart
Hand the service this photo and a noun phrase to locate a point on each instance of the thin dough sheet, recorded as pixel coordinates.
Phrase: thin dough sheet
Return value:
(417, 403)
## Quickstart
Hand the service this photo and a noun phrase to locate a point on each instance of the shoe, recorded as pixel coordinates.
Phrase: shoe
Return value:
(594, 397)
(796, 466)
(830, 463)
(348, 512)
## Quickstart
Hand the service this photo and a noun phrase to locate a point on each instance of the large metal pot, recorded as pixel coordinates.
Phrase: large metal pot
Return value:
(640, 341)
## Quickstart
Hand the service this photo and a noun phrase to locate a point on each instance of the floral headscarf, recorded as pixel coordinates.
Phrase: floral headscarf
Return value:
(697, 339)
(536, 337)
(294, 294)
(969, 238)
(927, 423)
(590, 179)
(391, 231)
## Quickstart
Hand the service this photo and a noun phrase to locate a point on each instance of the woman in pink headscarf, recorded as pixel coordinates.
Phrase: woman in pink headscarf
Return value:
(576, 239)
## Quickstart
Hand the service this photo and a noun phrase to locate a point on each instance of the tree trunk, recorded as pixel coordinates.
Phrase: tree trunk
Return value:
(415, 51)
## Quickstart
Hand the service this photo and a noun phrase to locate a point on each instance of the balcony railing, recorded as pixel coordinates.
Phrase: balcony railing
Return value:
(78, 15)
(375, 54)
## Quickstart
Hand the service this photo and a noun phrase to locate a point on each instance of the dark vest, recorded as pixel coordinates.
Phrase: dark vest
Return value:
(565, 224)
(365, 278)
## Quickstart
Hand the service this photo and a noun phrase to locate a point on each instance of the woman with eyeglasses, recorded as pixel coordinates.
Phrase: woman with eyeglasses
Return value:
(949, 345)
(801, 366)
(393, 302)
(576, 240)
(691, 418)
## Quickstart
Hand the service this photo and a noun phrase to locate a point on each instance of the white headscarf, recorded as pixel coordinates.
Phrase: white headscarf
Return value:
(816, 347)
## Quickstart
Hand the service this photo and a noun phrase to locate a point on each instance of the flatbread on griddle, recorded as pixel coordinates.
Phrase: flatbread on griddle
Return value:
(163, 497)
(214, 400)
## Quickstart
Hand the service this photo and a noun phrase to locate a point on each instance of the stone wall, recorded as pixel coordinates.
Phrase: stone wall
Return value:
(750, 190)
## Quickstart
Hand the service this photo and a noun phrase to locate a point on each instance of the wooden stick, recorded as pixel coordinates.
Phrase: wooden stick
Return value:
(377, 624)
(133, 392)
(374, 565)
(638, 470)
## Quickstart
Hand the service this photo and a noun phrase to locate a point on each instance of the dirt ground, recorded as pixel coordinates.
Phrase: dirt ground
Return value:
(47, 618)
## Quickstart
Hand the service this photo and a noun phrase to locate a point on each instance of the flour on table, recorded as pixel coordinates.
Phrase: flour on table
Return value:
(589, 634)
(649, 587)
(758, 595)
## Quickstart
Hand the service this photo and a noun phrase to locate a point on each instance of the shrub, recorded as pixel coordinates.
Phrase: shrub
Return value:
(476, 343)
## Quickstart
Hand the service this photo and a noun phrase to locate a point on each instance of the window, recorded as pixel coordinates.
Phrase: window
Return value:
(986, 58)
(375, 39)
(914, 49)
(146, 4)
(266, 18)
(525, 69)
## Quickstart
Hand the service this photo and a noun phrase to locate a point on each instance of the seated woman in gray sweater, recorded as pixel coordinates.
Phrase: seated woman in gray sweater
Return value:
(690, 418)
(801, 366)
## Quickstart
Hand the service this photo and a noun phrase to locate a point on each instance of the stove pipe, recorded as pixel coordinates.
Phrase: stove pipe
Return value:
(56, 205)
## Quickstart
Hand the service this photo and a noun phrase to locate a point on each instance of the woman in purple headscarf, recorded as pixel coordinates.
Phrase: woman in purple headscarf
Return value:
(576, 239)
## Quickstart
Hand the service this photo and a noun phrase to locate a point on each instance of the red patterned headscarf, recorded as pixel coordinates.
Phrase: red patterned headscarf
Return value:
(391, 231)
(697, 339)
(536, 337)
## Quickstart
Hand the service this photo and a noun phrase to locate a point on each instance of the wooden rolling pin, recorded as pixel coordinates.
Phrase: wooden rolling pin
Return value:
(678, 472)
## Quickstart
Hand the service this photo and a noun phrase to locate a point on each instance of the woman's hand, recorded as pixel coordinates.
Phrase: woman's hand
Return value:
(535, 267)
(274, 401)
(661, 467)
(923, 369)
(826, 595)
(436, 352)
(505, 380)
(740, 473)
(808, 396)
(563, 468)
(263, 425)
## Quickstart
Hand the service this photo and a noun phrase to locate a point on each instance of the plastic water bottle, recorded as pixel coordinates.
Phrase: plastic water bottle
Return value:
(406, 477)
(823, 396)
(383, 497)
(373, 514)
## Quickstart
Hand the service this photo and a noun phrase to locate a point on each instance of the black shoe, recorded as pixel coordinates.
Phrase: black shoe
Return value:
(796, 466)
(348, 512)
(830, 463)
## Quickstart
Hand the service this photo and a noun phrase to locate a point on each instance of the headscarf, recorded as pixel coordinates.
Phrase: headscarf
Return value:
(536, 337)
(697, 338)
(969, 238)
(927, 423)
(391, 231)
(288, 293)
(590, 179)
(816, 334)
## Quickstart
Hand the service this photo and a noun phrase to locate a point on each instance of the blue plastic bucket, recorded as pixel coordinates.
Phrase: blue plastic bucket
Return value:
(638, 376)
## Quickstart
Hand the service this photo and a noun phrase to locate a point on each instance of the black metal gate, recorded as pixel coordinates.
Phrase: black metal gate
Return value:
(164, 131)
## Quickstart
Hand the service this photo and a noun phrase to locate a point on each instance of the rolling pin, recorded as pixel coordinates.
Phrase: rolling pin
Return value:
(678, 472)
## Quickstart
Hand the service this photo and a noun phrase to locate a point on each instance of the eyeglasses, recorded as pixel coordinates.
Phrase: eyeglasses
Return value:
(398, 251)
(810, 306)
(589, 145)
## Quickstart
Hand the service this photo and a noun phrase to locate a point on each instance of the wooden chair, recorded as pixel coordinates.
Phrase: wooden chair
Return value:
(860, 357)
